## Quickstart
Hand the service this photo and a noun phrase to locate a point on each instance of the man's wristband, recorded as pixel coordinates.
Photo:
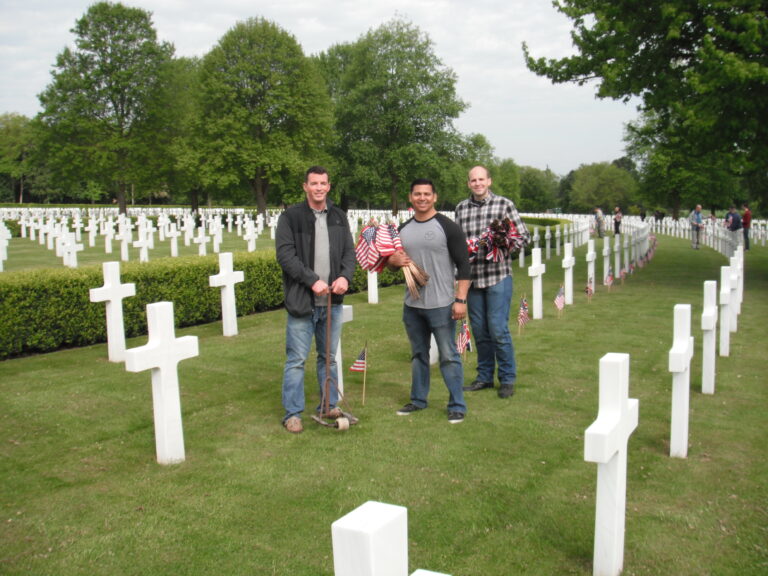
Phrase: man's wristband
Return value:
(459, 301)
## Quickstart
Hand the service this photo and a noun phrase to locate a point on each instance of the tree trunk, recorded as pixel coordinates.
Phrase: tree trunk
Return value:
(259, 187)
(21, 190)
(121, 206)
(393, 195)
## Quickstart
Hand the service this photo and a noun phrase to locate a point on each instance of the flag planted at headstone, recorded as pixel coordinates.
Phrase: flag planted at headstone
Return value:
(361, 362)
(560, 299)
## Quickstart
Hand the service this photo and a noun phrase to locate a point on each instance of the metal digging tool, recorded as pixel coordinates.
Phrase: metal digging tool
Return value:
(325, 418)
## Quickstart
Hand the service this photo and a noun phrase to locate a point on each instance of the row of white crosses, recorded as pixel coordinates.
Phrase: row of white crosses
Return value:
(372, 540)
(56, 234)
(635, 245)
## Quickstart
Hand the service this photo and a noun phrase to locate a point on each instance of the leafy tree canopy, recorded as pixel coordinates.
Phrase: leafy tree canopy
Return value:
(701, 65)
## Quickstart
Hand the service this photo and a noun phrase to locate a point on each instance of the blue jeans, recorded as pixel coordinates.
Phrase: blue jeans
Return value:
(489, 319)
(420, 324)
(298, 339)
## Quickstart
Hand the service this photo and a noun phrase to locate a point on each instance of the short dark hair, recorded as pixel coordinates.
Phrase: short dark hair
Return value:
(314, 170)
(423, 182)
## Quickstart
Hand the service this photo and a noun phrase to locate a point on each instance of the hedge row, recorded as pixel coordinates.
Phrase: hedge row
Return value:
(44, 310)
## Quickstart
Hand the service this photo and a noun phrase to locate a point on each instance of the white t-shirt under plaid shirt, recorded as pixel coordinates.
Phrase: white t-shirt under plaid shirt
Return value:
(474, 218)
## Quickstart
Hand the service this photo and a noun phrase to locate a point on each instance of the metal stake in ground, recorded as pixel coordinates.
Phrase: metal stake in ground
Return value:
(326, 418)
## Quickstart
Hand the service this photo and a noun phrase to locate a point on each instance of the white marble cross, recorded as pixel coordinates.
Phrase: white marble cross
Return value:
(617, 256)
(535, 271)
(605, 442)
(372, 540)
(226, 280)
(568, 263)
(725, 311)
(161, 354)
(735, 303)
(591, 256)
(708, 342)
(202, 241)
(173, 233)
(250, 235)
(680, 365)
(606, 257)
(113, 292)
(548, 241)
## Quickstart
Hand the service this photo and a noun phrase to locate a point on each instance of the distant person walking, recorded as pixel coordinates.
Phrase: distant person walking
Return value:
(617, 220)
(697, 223)
(599, 222)
(746, 224)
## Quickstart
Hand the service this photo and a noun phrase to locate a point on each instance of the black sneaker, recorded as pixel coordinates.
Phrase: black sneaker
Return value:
(506, 390)
(477, 385)
(455, 417)
(408, 409)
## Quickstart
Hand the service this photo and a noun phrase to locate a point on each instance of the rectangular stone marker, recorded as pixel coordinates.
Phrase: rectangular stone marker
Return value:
(113, 292)
(605, 442)
(591, 257)
(373, 287)
(680, 365)
(372, 540)
(709, 341)
(162, 354)
(535, 271)
(226, 280)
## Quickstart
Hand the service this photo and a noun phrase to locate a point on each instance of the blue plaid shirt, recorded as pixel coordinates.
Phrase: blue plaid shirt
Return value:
(474, 218)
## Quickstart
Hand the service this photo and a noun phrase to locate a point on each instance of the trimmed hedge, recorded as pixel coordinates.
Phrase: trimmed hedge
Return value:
(44, 310)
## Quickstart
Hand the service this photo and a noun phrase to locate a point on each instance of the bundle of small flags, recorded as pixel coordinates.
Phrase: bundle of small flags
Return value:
(499, 240)
(377, 242)
(464, 341)
(609, 277)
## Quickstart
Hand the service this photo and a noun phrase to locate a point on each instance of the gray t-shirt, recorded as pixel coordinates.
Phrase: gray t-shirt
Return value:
(322, 259)
(438, 245)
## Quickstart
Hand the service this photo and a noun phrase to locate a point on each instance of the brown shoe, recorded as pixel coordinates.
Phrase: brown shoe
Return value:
(333, 414)
(293, 425)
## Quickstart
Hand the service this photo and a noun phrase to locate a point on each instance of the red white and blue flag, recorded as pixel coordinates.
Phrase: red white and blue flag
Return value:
(361, 363)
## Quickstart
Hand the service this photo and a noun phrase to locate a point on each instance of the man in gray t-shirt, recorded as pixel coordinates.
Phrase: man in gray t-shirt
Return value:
(438, 245)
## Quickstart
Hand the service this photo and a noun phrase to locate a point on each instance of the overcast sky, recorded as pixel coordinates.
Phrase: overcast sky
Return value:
(525, 117)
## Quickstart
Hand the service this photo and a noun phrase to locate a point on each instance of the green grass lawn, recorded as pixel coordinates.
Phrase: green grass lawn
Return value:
(506, 492)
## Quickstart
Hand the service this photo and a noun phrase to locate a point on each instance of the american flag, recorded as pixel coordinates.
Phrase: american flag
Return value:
(589, 290)
(609, 277)
(464, 341)
(361, 362)
(560, 299)
(366, 246)
(522, 315)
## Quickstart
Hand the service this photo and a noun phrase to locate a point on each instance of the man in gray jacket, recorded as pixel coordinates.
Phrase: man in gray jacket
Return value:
(315, 250)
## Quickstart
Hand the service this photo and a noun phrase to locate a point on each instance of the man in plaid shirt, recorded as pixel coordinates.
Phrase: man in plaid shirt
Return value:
(490, 294)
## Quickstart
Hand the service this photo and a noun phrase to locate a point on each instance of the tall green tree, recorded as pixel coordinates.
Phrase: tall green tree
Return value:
(395, 103)
(16, 142)
(672, 176)
(700, 66)
(98, 100)
(265, 110)
(538, 189)
(601, 184)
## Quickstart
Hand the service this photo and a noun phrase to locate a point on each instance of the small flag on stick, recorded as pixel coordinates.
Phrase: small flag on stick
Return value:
(589, 290)
(560, 301)
(360, 363)
(464, 341)
(522, 316)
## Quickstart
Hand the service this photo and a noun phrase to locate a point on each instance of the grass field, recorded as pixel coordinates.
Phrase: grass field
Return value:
(506, 492)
